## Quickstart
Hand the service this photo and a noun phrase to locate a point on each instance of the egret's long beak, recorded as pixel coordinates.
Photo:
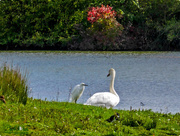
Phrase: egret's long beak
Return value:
(85, 85)
(108, 75)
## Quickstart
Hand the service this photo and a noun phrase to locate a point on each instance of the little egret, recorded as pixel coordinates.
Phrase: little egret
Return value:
(105, 99)
(77, 92)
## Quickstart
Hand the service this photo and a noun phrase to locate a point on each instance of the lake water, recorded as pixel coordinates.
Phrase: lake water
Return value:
(152, 78)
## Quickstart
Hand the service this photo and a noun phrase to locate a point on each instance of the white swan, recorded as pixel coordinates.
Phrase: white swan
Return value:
(105, 99)
(77, 92)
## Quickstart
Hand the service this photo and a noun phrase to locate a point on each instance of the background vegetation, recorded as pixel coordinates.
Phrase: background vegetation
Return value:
(62, 24)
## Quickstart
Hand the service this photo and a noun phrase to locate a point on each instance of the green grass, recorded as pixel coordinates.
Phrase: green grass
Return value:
(39, 117)
(13, 85)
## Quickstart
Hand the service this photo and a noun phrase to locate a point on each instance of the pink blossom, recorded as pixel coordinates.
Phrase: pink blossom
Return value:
(103, 12)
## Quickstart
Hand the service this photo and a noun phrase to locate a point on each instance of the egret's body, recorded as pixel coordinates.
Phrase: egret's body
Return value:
(105, 99)
(77, 92)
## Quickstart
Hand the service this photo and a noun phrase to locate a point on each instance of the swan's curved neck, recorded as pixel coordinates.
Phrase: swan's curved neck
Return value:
(112, 84)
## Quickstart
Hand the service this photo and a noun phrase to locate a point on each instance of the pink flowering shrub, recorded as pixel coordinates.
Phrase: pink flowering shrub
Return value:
(104, 27)
(103, 12)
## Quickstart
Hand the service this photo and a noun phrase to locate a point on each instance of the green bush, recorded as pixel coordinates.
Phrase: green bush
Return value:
(25, 23)
(171, 32)
(160, 19)
(13, 85)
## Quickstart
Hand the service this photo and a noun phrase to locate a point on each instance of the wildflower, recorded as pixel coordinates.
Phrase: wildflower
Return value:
(20, 128)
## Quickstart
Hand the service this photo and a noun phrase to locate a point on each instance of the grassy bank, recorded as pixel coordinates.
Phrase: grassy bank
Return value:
(39, 117)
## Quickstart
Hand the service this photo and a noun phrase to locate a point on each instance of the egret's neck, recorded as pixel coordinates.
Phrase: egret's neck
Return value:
(112, 84)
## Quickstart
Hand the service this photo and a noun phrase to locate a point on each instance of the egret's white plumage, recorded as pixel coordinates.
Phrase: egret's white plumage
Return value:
(77, 92)
(105, 99)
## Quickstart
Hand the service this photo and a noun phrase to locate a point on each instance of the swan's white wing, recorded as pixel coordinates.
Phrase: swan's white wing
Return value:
(104, 99)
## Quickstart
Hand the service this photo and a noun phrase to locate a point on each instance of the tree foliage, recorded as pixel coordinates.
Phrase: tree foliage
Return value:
(51, 23)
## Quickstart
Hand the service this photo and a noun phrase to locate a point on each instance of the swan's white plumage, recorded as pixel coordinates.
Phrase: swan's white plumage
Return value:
(105, 99)
(77, 92)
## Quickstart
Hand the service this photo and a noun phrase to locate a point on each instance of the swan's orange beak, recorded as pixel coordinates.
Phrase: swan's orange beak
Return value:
(108, 75)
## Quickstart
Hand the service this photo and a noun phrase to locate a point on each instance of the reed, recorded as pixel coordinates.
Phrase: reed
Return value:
(13, 84)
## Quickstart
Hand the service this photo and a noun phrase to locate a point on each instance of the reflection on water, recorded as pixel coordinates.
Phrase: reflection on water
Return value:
(151, 78)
